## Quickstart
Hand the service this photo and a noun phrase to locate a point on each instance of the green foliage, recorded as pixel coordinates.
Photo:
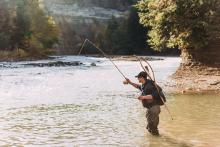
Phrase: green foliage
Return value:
(135, 32)
(4, 25)
(111, 33)
(4, 40)
(25, 26)
(124, 37)
(132, 1)
(179, 23)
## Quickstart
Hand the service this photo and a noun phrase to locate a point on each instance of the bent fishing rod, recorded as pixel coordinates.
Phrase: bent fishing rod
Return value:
(154, 81)
(104, 54)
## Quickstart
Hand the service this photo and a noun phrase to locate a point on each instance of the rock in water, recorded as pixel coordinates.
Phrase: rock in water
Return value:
(54, 64)
(93, 64)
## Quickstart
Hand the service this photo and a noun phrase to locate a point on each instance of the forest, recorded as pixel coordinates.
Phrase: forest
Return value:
(25, 30)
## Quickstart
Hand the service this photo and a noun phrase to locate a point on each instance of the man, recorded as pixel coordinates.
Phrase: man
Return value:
(150, 100)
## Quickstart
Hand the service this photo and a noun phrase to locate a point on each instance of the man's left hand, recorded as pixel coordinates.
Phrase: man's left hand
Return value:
(141, 98)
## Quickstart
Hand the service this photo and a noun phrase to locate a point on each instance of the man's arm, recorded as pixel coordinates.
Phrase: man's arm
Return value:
(131, 83)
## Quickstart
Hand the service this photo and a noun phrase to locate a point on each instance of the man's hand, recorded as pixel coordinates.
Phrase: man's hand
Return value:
(127, 81)
(141, 98)
(147, 97)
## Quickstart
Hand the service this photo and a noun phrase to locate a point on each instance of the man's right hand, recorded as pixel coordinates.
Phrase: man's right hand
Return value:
(127, 81)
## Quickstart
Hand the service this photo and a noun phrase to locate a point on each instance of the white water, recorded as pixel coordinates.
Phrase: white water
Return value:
(89, 106)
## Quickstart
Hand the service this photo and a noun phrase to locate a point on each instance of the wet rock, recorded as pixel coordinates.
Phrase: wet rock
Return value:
(54, 64)
(93, 64)
(153, 58)
(6, 65)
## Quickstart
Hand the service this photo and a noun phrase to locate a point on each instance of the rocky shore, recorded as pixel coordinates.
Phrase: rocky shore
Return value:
(127, 58)
(133, 58)
(197, 80)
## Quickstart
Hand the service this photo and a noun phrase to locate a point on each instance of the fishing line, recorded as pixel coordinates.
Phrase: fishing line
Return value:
(104, 54)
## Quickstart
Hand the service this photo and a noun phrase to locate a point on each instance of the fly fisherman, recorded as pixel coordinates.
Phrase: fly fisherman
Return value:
(150, 99)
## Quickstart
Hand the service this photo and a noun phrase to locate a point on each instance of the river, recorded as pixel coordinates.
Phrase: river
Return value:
(89, 106)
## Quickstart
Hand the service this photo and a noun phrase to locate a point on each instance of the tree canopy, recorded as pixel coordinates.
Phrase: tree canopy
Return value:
(125, 36)
(179, 23)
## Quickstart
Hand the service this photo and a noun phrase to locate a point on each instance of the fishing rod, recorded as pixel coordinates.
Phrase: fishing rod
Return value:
(104, 54)
(154, 81)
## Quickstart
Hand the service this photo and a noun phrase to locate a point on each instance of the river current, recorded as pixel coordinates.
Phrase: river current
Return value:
(89, 106)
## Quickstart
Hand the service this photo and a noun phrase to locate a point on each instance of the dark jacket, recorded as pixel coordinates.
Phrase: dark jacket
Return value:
(149, 89)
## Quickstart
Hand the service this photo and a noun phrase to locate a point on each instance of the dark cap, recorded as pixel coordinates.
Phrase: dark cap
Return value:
(142, 75)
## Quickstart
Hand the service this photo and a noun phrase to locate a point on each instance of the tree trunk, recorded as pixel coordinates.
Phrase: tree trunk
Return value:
(201, 62)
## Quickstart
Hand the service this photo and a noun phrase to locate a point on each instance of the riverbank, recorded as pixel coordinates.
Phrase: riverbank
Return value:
(21, 55)
(199, 79)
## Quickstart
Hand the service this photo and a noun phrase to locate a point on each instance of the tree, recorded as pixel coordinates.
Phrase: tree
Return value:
(111, 34)
(43, 31)
(136, 33)
(125, 36)
(189, 25)
(69, 40)
(4, 25)
(22, 32)
(24, 25)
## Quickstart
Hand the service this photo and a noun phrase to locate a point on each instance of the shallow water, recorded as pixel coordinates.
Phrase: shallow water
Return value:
(89, 106)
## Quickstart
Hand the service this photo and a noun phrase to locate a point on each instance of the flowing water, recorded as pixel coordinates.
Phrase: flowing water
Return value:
(89, 106)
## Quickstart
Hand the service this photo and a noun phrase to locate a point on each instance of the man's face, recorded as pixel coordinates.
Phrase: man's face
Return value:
(141, 80)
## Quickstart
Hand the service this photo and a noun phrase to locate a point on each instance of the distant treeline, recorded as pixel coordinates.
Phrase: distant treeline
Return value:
(124, 37)
(25, 29)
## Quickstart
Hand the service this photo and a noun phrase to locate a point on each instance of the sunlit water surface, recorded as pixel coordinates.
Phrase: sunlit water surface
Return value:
(89, 106)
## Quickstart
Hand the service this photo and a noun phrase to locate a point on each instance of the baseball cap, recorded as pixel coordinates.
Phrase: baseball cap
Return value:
(142, 74)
